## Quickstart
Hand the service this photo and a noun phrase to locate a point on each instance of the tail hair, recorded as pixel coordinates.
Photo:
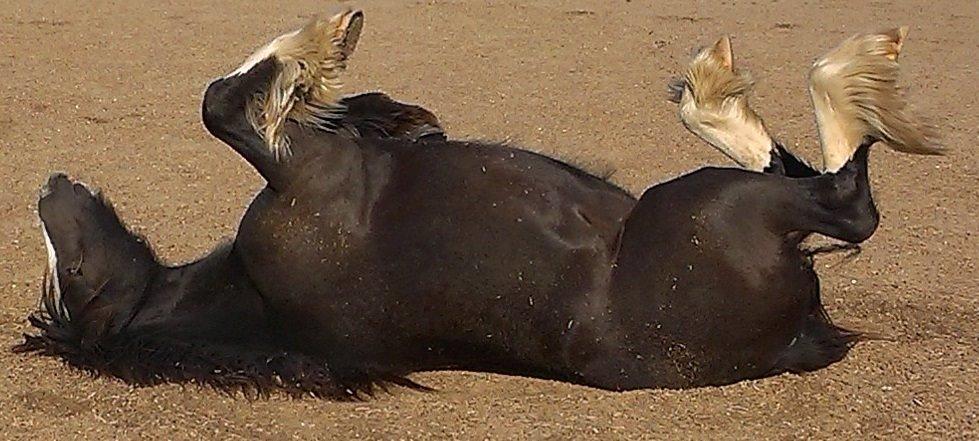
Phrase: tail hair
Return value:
(713, 99)
(306, 85)
(820, 343)
(856, 97)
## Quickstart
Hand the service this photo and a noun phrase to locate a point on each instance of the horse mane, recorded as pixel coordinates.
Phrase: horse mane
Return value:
(152, 358)
(148, 360)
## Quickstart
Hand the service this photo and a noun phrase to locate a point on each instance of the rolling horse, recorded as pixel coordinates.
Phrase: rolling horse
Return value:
(379, 247)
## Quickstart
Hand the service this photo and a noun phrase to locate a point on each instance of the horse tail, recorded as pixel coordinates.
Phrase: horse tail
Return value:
(818, 344)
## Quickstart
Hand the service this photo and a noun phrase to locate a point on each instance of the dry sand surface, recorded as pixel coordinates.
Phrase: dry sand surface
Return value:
(109, 91)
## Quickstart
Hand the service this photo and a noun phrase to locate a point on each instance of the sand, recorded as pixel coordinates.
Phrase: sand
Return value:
(109, 92)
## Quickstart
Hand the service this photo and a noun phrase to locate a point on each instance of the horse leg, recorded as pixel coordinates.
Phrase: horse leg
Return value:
(294, 81)
(293, 78)
(709, 283)
(226, 116)
(713, 99)
(857, 100)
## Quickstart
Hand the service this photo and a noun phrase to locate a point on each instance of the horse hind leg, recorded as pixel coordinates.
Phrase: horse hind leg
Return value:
(713, 103)
(857, 100)
(854, 94)
(718, 250)
(857, 104)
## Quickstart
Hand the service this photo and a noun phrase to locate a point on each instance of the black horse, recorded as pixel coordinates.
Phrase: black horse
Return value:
(367, 258)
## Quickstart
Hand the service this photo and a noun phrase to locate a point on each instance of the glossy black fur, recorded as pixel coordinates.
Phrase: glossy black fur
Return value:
(371, 258)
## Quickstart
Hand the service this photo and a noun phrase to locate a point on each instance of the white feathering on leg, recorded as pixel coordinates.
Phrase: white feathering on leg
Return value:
(305, 88)
(855, 97)
(714, 106)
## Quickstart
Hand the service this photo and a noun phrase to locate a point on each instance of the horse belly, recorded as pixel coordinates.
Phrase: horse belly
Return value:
(443, 277)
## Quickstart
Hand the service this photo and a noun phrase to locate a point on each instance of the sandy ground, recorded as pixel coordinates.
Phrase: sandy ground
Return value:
(109, 91)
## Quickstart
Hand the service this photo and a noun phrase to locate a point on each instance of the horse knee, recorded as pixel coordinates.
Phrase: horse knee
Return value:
(846, 205)
(860, 224)
(225, 106)
(225, 112)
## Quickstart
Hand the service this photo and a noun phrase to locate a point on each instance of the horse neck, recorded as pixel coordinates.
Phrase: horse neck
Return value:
(210, 301)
